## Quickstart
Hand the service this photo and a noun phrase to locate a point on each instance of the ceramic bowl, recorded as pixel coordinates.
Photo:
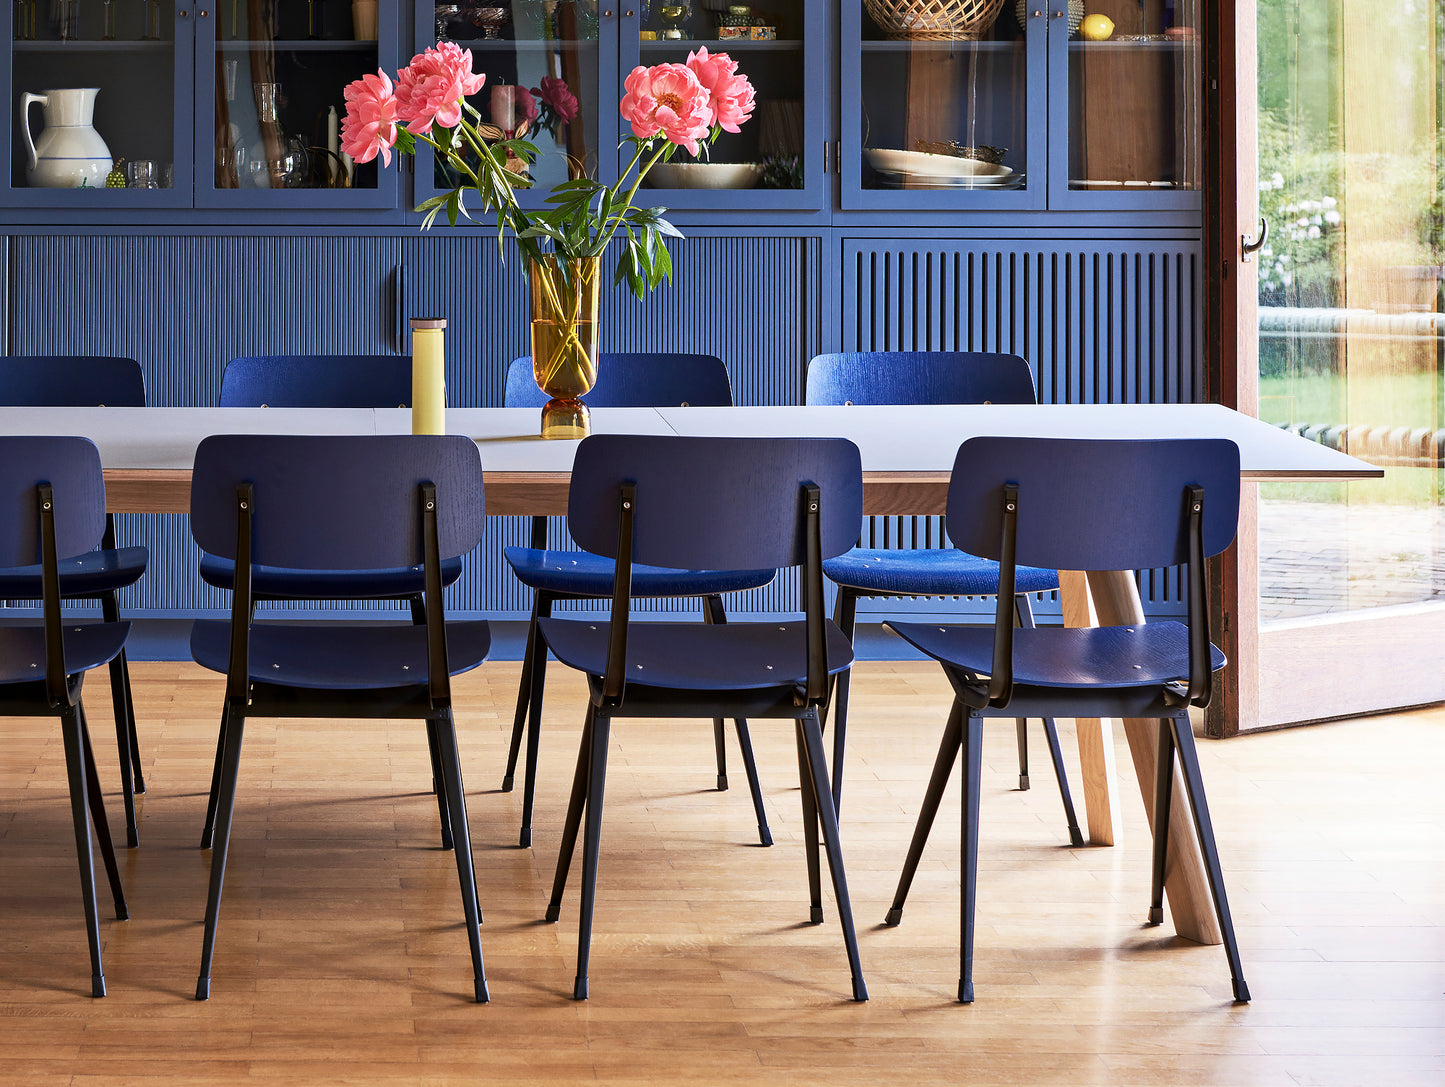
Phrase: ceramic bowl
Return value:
(705, 175)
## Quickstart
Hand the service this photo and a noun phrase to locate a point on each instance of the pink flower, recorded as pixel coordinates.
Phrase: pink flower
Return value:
(370, 123)
(430, 89)
(667, 98)
(730, 96)
(558, 97)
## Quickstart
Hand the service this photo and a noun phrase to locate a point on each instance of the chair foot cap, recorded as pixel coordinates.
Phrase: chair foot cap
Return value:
(525, 838)
(1023, 783)
(132, 839)
(965, 992)
(765, 836)
(97, 985)
(203, 989)
(483, 997)
(447, 844)
(1156, 915)
(507, 784)
(722, 783)
(1076, 837)
(139, 785)
(579, 989)
(816, 915)
(122, 911)
(1241, 991)
(860, 991)
(205, 839)
(554, 911)
(895, 915)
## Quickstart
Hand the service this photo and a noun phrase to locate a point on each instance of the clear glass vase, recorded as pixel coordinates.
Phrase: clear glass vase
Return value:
(564, 340)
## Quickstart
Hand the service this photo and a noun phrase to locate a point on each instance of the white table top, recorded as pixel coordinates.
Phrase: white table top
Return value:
(891, 439)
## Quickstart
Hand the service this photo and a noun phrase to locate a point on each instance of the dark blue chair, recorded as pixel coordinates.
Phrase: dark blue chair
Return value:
(638, 380)
(70, 381)
(317, 381)
(52, 503)
(1083, 505)
(340, 503)
(705, 504)
(928, 377)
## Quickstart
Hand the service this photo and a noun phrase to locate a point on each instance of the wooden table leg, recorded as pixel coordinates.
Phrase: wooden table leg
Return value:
(1096, 737)
(1116, 602)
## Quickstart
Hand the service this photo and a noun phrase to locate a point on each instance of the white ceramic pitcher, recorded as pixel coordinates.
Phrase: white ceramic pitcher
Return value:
(70, 152)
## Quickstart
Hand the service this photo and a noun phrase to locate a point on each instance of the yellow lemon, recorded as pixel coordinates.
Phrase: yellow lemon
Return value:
(1096, 28)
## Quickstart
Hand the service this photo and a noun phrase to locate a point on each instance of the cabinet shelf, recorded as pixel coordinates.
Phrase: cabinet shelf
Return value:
(1166, 45)
(526, 45)
(739, 45)
(298, 45)
(118, 47)
(927, 46)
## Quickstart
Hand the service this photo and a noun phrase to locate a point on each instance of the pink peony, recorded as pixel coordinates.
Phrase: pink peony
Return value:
(730, 96)
(370, 123)
(558, 97)
(667, 98)
(430, 89)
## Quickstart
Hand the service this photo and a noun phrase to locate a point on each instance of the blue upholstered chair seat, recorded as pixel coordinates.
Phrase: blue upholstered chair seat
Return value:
(87, 645)
(581, 573)
(333, 657)
(735, 657)
(1140, 656)
(279, 581)
(929, 573)
(81, 576)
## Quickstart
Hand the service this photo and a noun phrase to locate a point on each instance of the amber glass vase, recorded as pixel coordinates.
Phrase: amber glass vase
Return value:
(564, 340)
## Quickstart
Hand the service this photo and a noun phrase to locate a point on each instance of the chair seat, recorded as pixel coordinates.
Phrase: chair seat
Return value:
(81, 576)
(695, 656)
(1140, 656)
(87, 645)
(930, 572)
(335, 657)
(580, 573)
(280, 581)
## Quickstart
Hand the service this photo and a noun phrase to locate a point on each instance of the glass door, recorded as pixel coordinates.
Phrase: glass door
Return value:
(270, 77)
(1352, 353)
(92, 119)
(939, 114)
(544, 63)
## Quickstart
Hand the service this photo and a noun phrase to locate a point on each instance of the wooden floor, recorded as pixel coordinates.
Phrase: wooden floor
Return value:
(342, 957)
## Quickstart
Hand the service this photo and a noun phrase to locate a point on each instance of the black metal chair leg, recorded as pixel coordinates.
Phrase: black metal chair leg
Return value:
(937, 782)
(439, 784)
(1163, 795)
(1021, 727)
(712, 612)
(846, 616)
(124, 726)
(1056, 756)
(208, 831)
(1194, 786)
(534, 742)
(745, 744)
(575, 804)
(445, 733)
(591, 843)
(234, 725)
(524, 690)
(70, 729)
(819, 786)
(810, 830)
(972, 772)
(96, 800)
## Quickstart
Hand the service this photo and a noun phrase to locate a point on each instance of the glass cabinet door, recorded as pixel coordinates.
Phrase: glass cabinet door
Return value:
(93, 123)
(270, 78)
(778, 158)
(544, 60)
(942, 110)
(1131, 133)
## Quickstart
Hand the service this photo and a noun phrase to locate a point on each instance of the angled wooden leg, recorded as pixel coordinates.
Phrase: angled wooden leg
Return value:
(125, 740)
(70, 730)
(1099, 779)
(810, 830)
(972, 773)
(207, 831)
(575, 804)
(96, 800)
(439, 785)
(818, 785)
(451, 778)
(591, 846)
(234, 726)
(937, 782)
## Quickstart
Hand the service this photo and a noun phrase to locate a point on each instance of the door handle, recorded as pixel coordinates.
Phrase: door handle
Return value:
(1249, 245)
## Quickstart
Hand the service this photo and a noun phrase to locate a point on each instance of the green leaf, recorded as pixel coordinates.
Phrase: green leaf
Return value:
(454, 201)
(433, 203)
(405, 141)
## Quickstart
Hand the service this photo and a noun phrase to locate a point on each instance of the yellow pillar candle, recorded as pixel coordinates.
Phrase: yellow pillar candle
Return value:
(428, 375)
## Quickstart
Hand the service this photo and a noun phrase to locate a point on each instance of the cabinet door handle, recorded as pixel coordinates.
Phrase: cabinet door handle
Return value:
(204, 13)
(184, 13)
(1249, 246)
(607, 14)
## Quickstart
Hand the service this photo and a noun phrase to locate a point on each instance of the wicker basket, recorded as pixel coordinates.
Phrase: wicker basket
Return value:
(934, 20)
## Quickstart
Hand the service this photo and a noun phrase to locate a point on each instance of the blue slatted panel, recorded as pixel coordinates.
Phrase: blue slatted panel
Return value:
(1100, 323)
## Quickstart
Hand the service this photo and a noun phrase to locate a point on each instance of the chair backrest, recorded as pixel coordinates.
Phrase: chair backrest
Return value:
(317, 381)
(337, 503)
(1093, 503)
(635, 380)
(71, 381)
(715, 503)
(919, 377)
(72, 468)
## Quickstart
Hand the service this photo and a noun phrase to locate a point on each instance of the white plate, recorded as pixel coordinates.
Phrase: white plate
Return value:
(922, 164)
(916, 181)
(704, 175)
